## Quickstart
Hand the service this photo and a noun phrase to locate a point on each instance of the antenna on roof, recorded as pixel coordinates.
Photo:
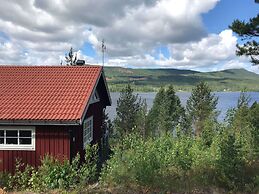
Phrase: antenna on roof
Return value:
(103, 50)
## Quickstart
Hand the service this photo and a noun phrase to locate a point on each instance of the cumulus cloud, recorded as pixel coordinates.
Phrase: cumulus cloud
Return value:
(40, 32)
(209, 50)
(213, 52)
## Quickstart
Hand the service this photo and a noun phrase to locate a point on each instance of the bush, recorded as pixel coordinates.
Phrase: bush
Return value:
(180, 164)
(4, 179)
(154, 163)
(53, 173)
(21, 178)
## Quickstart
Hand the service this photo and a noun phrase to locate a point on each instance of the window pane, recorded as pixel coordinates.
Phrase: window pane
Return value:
(1, 140)
(1, 133)
(11, 140)
(24, 133)
(11, 133)
(25, 141)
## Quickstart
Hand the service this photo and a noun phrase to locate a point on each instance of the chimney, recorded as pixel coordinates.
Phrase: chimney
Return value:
(80, 62)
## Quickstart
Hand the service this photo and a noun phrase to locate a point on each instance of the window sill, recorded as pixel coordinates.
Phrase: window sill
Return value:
(19, 148)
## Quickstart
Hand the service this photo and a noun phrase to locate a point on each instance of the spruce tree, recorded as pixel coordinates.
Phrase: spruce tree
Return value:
(156, 113)
(175, 109)
(128, 107)
(248, 31)
(166, 112)
(201, 106)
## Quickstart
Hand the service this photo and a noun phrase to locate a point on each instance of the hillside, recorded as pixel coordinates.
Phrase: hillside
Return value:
(152, 79)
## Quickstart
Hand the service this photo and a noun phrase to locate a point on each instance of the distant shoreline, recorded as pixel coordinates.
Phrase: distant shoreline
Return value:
(114, 88)
(150, 80)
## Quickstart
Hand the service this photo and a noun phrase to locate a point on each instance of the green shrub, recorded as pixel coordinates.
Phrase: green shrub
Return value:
(53, 173)
(154, 163)
(56, 174)
(180, 164)
(87, 172)
(21, 178)
(4, 179)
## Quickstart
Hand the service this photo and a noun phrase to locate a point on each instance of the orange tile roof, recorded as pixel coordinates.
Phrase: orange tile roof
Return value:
(52, 93)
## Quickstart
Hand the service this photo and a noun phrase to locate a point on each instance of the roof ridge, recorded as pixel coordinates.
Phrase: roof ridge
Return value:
(51, 66)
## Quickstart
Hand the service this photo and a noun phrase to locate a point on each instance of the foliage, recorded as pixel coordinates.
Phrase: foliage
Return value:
(128, 112)
(88, 171)
(230, 165)
(255, 114)
(254, 119)
(201, 106)
(248, 31)
(157, 114)
(21, 178)
(166, 113)
(58, 175)
(55, 174)
(180, 164)
(4, 179)
(71, 58)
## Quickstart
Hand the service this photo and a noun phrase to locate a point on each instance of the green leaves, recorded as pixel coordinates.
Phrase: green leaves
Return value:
(54, 174)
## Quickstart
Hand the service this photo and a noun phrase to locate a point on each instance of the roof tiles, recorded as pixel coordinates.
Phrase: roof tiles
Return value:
(46, 92)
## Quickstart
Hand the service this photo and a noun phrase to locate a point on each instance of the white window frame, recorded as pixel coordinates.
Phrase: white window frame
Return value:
(95, 97)
(88, 129)
(18, 146)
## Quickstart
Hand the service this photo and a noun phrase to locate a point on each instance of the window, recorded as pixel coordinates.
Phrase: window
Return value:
(17, 138)
(95, 97)
(88, 131)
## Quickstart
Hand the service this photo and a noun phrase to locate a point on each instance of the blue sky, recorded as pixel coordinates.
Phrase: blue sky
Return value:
(226, 11)
(186, 34)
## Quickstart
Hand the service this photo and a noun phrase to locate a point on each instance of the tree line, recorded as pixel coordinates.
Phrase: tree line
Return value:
(167, 114)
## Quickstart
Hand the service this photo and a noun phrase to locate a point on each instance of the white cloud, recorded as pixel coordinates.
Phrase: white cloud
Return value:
(214, 52)
(212, 49)
(40, 32)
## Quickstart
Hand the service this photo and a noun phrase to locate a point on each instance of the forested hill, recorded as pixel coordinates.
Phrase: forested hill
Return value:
(152, 79)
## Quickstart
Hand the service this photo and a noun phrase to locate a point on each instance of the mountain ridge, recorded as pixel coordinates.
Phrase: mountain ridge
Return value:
(184, 80)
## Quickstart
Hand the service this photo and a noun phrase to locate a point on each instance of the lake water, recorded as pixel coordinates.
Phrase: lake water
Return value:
(226, 101)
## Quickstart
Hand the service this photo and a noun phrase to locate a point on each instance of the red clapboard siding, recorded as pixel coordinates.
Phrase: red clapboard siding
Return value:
(52, 140)
(94, 110)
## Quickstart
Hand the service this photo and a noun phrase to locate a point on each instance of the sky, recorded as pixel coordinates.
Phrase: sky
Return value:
(181, 34)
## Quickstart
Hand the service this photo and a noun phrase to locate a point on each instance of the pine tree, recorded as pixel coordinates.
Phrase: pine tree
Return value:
(201, 106)
(248, 31)
(128, 107)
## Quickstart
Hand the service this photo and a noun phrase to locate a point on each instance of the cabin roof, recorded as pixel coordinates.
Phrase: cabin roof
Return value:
(46, 93)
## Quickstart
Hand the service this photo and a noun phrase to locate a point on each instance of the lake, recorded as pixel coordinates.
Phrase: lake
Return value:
(226, 101)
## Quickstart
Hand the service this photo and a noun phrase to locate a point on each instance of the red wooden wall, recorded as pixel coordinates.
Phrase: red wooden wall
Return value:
(94, 110)
(53, 140)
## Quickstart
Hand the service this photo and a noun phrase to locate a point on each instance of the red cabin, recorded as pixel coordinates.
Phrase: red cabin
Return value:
(54, 110)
